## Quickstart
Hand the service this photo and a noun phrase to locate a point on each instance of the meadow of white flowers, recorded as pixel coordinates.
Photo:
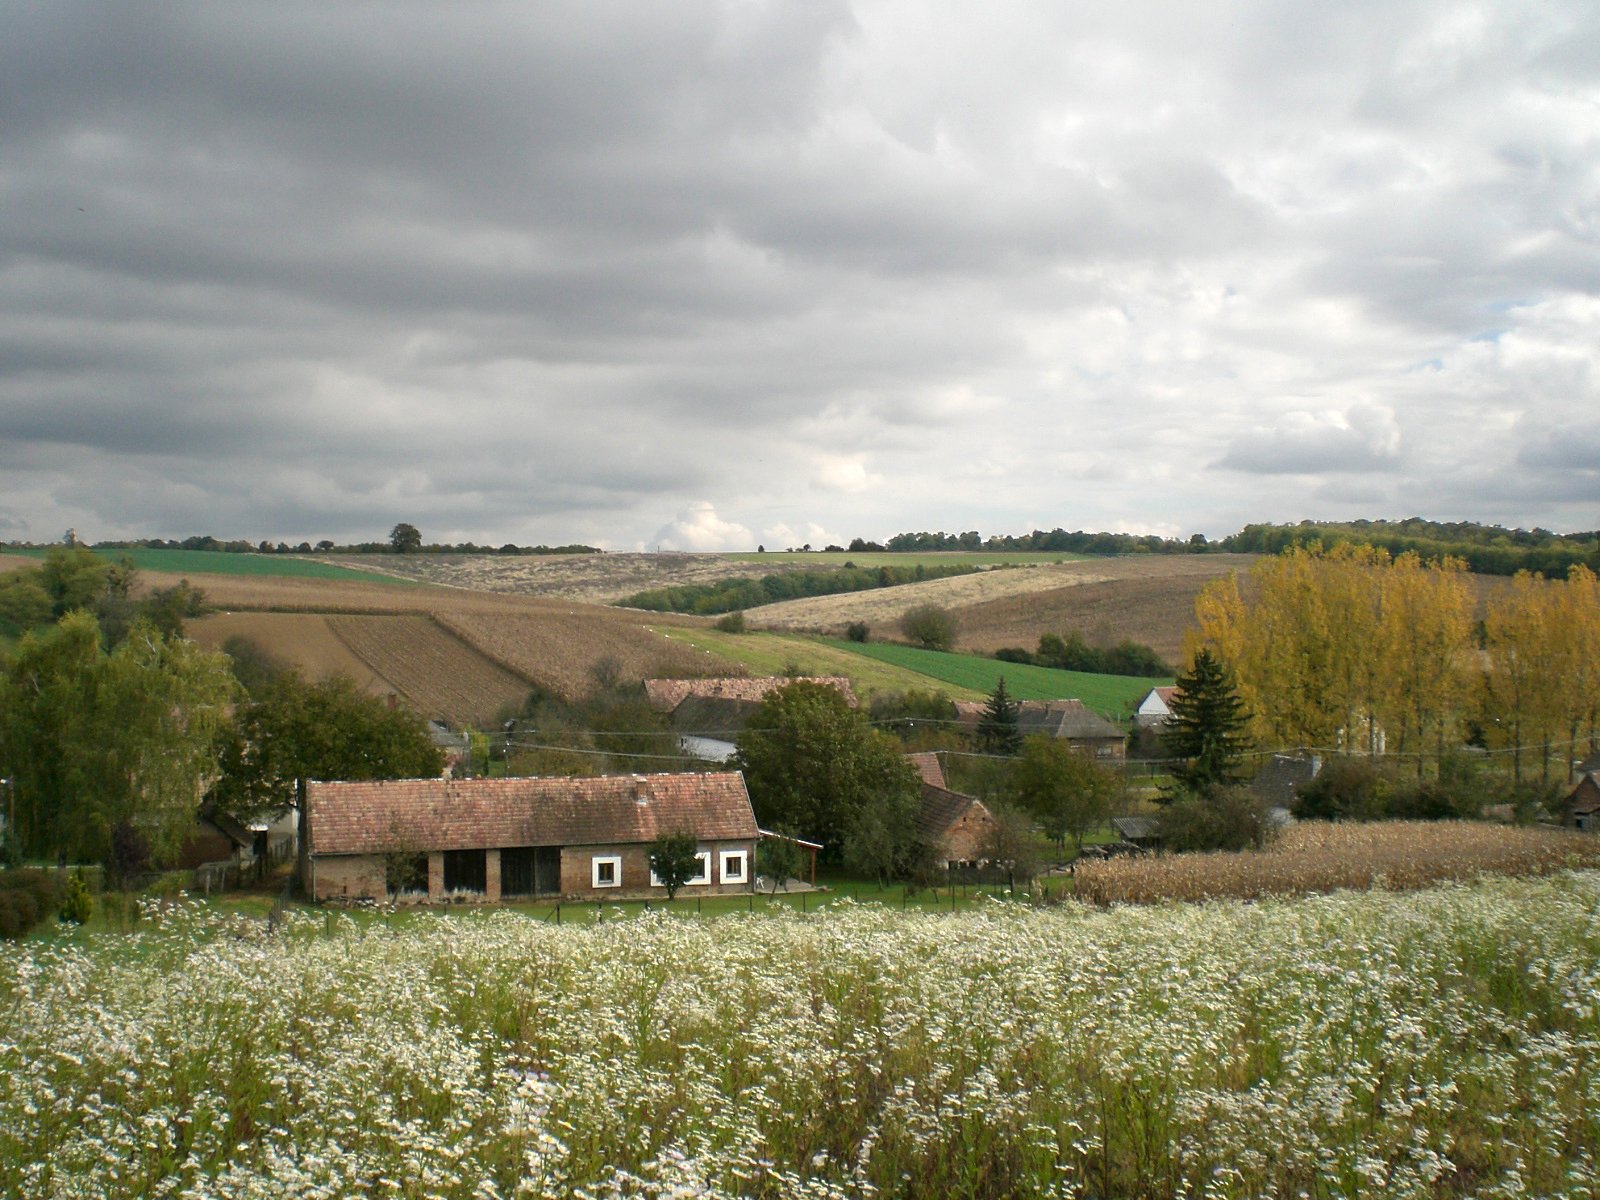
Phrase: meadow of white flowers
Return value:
(1434, 1043)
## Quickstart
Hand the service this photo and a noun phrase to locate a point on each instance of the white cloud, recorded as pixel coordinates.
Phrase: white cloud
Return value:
(1363, 437)
(785, 537)
(844, 473)
(698, 528)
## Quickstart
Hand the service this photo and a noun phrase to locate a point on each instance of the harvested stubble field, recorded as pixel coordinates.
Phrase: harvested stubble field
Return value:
(595, 578)
(1149, 598)
(1314, 856)
(1432, 1046)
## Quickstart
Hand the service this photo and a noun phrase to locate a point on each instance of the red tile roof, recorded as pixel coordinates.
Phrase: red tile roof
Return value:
(929, 767)
(470, 814)
(941, 808)
(665, 695)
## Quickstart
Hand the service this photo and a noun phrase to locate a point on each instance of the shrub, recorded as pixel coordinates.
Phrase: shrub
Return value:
(78, 907)
(732, 623)
(929, 626)
(857, 631)
(1347, 789)
(1014, 654)
(19, 912)
(1228, 818)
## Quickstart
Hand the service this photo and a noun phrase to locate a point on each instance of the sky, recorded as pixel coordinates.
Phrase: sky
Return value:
(714, 273)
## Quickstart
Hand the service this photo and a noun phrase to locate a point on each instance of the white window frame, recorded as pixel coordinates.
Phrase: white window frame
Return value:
(742, 857)
(599, 860)
(699, 881)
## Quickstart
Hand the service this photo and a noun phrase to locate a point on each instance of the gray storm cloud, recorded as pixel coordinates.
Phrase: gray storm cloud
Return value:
(716, 272)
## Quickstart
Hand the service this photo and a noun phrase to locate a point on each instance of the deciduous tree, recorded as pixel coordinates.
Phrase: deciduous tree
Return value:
(675, 859)
(1065, 790)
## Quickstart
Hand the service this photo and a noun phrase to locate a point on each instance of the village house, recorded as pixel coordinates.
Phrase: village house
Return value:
(957, 827)
(485, 840)
(709, 714)
(1069, 720)
(1154, 708)
(1583, 803)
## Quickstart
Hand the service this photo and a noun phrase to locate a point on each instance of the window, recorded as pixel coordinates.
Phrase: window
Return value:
(702, 876)
(734, 869)
(607, 870)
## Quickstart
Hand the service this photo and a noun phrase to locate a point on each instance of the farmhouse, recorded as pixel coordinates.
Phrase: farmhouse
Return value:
(1155, 709)
(710, 713)
(1583, 804)
(491, 839)
(1069, 720)
(958, 827)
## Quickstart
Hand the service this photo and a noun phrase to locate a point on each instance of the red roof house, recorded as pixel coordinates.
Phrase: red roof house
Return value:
(488, 839)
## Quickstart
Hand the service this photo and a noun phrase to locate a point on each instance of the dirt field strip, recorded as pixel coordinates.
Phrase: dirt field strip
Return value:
(560, 650)
(438, 674)
(303, 640)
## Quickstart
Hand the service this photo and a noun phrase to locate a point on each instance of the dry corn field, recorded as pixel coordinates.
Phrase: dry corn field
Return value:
(1314, 856)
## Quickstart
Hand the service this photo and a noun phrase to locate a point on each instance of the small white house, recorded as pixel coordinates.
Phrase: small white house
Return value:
(1155, 709)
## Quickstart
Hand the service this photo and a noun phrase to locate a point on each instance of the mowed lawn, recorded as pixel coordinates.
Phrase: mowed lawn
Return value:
(1110, 695)
(776, 653)
(927, 558)
(217, 562)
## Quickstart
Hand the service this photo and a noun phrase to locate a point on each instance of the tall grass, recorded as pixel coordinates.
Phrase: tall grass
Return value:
(1440, 1043)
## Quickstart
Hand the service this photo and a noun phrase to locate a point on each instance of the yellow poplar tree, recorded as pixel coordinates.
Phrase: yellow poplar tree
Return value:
(1521, 629)
(1424, 644)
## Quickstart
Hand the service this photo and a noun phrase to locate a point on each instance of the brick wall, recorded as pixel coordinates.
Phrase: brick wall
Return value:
(352, 877)
(965, 840)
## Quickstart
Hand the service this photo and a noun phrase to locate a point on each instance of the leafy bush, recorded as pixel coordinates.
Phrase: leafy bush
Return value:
(26, 894)
(19, 912)
(1014, 654)
(1072, 653)
(732, 623)
(1228, 818)
(1347, 789)
(929, 626)
(78, 907)
(857, 631)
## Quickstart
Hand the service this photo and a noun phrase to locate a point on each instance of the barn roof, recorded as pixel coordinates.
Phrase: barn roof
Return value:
(469, 814)
(928, 766)
(1069, 719)
(665, 695)
(941, 808)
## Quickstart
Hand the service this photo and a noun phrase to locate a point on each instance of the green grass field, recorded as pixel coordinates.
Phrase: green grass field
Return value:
(215, 562)
(1110, 695)
(775, 653)
(931, 558)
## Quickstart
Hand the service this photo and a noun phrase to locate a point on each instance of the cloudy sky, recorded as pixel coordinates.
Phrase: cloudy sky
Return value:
(709, 273)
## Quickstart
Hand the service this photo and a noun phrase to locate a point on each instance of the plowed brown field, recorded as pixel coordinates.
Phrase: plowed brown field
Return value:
(303, 640)
(561, 649)
(437, 673)
(529, 639)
